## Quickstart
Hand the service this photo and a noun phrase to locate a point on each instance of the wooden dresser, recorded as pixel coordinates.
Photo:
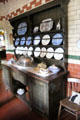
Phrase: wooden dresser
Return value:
(44, 92)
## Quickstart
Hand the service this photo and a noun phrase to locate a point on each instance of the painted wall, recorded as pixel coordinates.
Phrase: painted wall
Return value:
(73, 38)
(16, 7)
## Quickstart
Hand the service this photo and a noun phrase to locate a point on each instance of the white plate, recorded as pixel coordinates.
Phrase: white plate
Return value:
(36, 29)
(46, 25)
(20, 91)
(45, 40)
(30, 50)
(58, 55)
(43, 52)
(37, 52)
(36, 40)
(50, 52)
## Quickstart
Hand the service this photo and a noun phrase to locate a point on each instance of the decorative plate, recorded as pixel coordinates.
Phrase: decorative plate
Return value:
(37, 52)
(50, 52)
(22, 28)
(17, 41)
(45, 40)
(29, 40)
(23, 38)
(46, 25)
(36, 29)
(30, 51)
(25, 50)
(57, 39)
(43, 52)
(22, 42)
(58, 55)
(36, 40)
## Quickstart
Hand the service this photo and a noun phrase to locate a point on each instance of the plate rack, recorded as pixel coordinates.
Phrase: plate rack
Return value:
(55, 45)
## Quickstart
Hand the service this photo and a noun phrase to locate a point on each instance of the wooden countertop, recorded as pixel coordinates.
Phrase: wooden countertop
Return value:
(29, 72)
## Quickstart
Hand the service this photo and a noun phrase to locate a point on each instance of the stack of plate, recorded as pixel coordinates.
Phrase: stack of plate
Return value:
(54, 69)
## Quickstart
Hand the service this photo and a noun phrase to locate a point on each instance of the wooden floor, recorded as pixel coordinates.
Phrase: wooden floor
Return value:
(11, 108)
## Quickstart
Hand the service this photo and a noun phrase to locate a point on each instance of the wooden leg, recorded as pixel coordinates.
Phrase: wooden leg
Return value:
(59, 112)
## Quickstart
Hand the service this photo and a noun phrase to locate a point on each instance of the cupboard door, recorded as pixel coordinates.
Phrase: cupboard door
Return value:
(40, 96)
(19, 77)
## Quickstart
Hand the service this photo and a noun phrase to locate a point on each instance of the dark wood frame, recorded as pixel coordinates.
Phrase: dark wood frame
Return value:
(30, 15)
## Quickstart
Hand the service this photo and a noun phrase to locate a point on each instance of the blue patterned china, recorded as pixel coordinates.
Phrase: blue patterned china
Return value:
(17, 41)
(22, 42)
(22, 28)
(29, 40)
(36, 40)
(57, 39)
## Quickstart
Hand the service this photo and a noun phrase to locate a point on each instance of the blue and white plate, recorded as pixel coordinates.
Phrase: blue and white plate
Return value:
(57, 39)
(21, 31)
(22, 28)
(22, 42)
(23, 38)
(17, 41)
(29, 40)
(36, 40)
